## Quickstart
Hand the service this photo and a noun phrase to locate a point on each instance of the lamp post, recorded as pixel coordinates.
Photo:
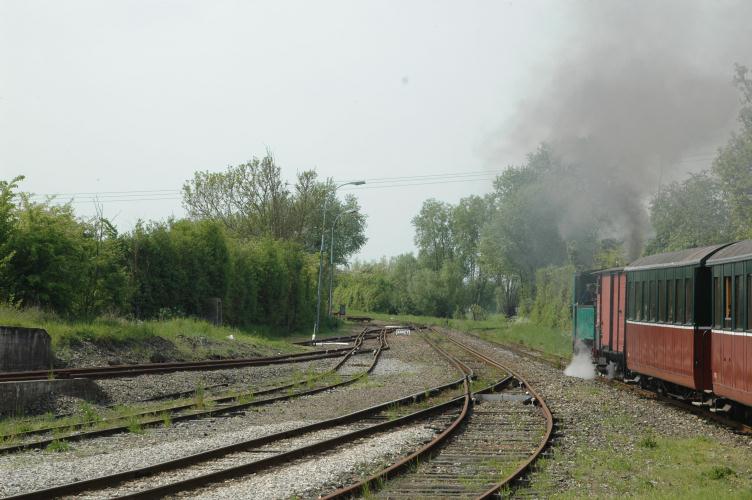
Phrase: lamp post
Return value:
(321, 257)
(331, 257)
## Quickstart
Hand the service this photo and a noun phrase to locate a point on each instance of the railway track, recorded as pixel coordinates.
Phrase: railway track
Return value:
(186, 410)
(493, 444)
(466, 422)
(101, 372)
(221, 463)
(559, 363)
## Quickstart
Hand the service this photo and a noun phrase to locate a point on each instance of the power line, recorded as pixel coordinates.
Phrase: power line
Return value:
(150, 191)
(372, 183)
(421, 183)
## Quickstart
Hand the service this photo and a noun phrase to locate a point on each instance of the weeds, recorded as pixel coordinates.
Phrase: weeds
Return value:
(89, 414)
(719, 472)
(118, 331)
(245, 398)
(199, 401)
(166, 419)
(392, 412)
(58, 446)
(134, 425)
(366, 490)
(648, 441)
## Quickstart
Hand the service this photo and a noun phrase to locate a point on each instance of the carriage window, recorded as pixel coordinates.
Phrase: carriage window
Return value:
(727, 302)
(688, 297)
(671, 300)
(630, 300)
(749, 302)
(662, 300)
(717, 302)
(653, 299)
(679, 286)
(738, 307)
(638, 302)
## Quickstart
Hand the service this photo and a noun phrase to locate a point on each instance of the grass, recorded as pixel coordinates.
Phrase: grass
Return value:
(58, 446)
(193, 338)
(497, 328)
(660, 467)
(166, 419)
(133, 425)
(199, 399)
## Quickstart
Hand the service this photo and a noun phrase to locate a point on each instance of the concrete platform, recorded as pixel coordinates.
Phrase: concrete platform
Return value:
(24, 349)
(31, 397)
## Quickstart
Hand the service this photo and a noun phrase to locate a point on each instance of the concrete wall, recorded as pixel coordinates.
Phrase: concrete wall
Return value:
(24, 349)
(39, 396)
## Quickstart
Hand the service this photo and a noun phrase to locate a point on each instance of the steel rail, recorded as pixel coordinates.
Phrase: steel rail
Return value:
(318, 446)
(559, 362)
(403, 463)
(178, 418)
(155, 368)
(114, 479)
(538, 400)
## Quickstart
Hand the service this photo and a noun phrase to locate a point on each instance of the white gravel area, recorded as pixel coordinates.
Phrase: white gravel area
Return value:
(324, 473)
(38, 469)
(395, 365)
(407, 368)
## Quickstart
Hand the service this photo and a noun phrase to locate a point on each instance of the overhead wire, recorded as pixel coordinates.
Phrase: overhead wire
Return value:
(371, 183)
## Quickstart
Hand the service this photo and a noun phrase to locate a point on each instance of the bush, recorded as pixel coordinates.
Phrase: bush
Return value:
(552, 304)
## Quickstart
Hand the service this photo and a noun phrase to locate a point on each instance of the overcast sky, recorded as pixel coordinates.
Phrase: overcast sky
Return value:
(126, 96)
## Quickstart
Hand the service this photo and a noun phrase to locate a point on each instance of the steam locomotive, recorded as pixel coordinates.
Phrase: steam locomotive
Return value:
(678, 322)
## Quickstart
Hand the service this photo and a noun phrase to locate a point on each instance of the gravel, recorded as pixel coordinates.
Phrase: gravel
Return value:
(129, 390)
(326, 472)
(408, 367)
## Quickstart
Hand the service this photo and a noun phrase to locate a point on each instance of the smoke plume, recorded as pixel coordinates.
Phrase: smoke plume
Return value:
(641, 94)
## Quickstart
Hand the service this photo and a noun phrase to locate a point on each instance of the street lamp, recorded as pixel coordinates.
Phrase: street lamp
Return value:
(321, 256)
(331, 257)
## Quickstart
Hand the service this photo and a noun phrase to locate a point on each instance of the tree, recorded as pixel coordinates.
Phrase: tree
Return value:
(433, 233)
(177, 266)
(733, 166)
(469, 217)
(8, 222)
(107, 286)
(525, 229)
(49, 263)
(690, 214)
(252, 201)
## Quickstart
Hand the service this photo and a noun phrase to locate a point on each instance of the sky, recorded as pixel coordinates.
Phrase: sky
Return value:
(128, 98)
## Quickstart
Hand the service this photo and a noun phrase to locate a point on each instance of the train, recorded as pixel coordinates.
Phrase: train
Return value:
(679, 323)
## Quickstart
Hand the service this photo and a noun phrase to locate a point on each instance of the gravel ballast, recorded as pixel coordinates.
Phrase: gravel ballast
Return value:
(407, 367)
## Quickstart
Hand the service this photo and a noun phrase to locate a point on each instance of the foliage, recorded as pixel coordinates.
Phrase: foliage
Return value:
(554, 343)
(177, 265)
(51, 258)
(732, 166)
(689, 214)
(8, 222)
(183, 333)
(81, 269)
(433, 233)
(553, 300)
(251, 200)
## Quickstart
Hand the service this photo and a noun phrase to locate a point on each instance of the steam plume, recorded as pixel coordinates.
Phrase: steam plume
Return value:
(642, 94)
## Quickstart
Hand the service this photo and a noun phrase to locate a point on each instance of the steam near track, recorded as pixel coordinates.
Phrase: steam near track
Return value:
(581, 365)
